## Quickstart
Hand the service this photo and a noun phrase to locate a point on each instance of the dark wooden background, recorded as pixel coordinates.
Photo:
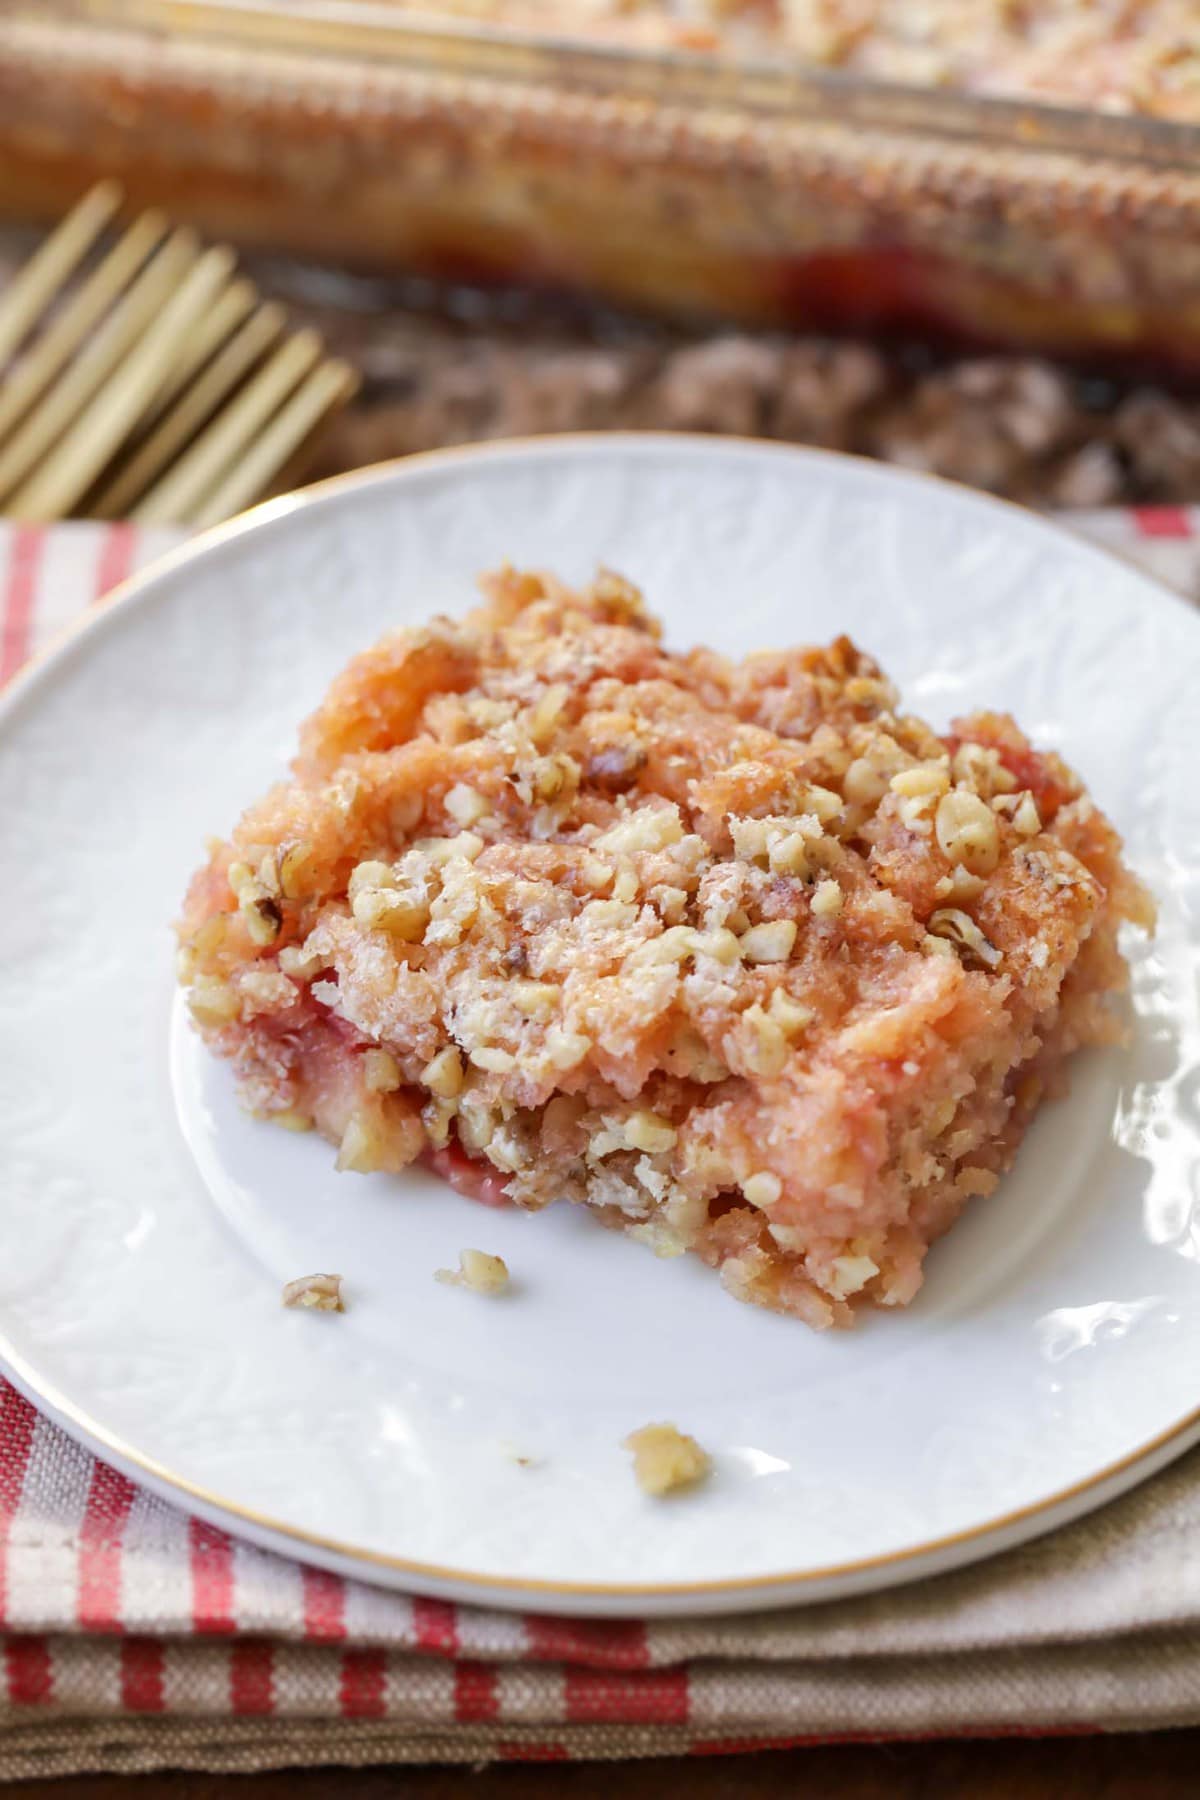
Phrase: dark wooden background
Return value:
(1163, 1766)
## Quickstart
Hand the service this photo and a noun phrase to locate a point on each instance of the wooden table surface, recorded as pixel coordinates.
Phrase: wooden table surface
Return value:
(1163, 1766)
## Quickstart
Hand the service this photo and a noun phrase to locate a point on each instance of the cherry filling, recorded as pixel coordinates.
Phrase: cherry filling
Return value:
(470, 1176)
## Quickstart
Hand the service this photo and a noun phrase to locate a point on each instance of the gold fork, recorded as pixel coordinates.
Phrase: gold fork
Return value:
(156, 386)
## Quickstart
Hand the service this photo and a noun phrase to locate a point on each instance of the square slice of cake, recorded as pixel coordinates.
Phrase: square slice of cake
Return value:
(735, 954)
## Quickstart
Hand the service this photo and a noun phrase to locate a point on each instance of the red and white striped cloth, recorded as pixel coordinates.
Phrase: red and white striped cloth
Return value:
(134, 1637)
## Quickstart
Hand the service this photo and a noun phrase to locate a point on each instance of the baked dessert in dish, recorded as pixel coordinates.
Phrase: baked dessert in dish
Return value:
(1116, 55)
(735, 954)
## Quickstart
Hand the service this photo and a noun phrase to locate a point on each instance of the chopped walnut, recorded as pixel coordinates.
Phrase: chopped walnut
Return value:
(615, 769)
(979, 768)
(381, 1071)
(1026, 818)
(770, 942)
(493, 1059)
(212, 1001)
(465, 806)
(566, 1049)
(444, 1075)
(827, 900)
(966, 831)
(758, 1045)
(665, 1458)
(924, 781)
(645, 1131)
(477, 1270)
(362, 1148)
(258, 906)
(791, 1016)
(294, 865)
(292, 1119)
(650, 828)
(851, 1273)
(319, 1293)
(960, 884)
(762, 1189)
(381, 902)
(960, 929)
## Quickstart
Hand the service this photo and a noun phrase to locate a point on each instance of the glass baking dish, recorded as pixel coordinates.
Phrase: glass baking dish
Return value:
(680, 183)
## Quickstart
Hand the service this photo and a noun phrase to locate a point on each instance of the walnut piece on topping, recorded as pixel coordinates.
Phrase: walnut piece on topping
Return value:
(762, 1189)
(444, 1075)
(966, 831)
(649, 828)
(1026, 818)
(616, 768)
(381, 1072)
(465, 806)
(380, 902)
(363, 1147)
(791, 1016)
(770, 942)
(493, 1059)
(979, 768)
(646, 1131)
(318, 1293)
(759, 1044)
(293, 863)
(851, 1273)
(960, 929)
(665, 1459)
(960, 884)
(930, 778)
(292, 1119)
(212, 1001)
(827, 900)
(477, 1270)
(258, 906)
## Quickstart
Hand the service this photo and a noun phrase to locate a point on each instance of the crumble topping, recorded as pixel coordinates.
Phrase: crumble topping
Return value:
(736, 953)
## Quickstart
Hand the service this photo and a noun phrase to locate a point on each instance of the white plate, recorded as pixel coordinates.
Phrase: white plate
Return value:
(1053, 1356)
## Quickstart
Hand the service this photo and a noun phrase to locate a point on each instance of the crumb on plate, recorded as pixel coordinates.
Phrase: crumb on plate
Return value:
(665, 1458)
(479, 1271)
(319, 1293)
(510, 1452)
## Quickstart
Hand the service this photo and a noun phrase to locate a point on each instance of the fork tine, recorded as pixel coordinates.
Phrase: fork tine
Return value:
(190, 411)
(31, 291)
(63, 337)
(129, 319)
(182, 488)
(55, 488)
(327, 386)
(221, 320)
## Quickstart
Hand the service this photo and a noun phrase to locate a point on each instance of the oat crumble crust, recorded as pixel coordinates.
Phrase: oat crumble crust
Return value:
(733, 953)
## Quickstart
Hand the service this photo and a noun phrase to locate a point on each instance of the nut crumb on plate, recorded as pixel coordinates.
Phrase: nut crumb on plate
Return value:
(665, 1458)
(512, 1454)
(477, 1270)
(319, 1293)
